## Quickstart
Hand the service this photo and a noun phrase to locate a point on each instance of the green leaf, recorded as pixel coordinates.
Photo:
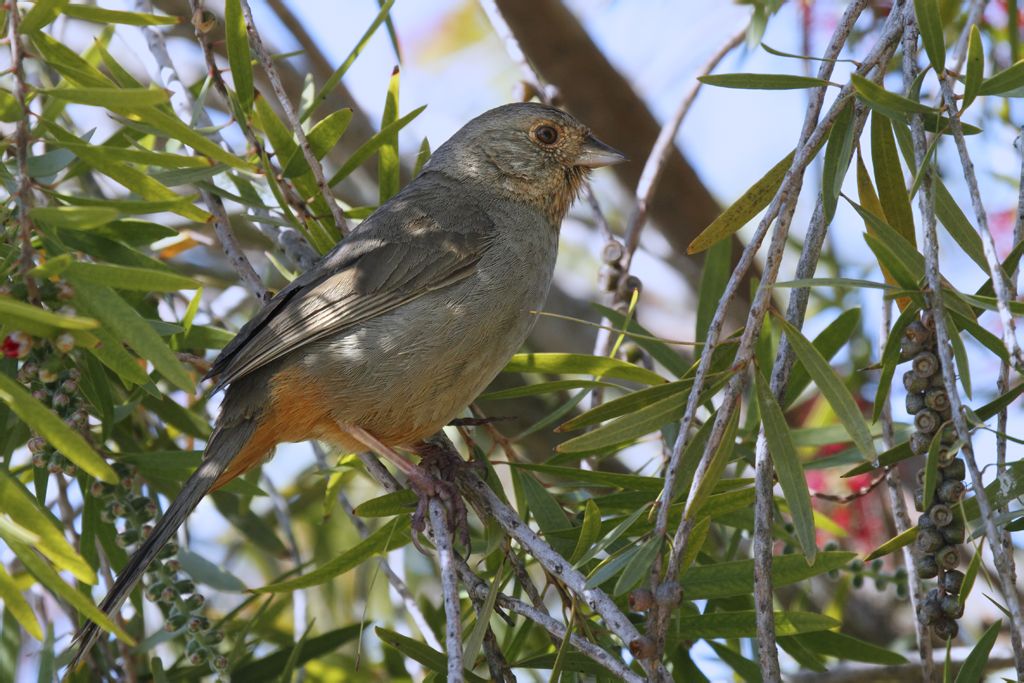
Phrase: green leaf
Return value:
(203, 571)
(10, 110)
(52, 581)
(25, 510)
(13, 311)
(630, 426)
(897, 107)
(580, 364)
(739, 213)
(832, 387)
(929, 21)
(828, 342)
(659, 350)
(41, 14)
(975, 67)
(838, 153)
(748, 81)
(589, 531)
(390, 536)
(729, 579)
(425, 655)
(598, 478)
(322, 138)
(892, 190)
(129, 278)
(639, 567)
(1004, 82)
(788, 466)
(52, 428)
(372, 145)
(957, 225)
(714, 278)
(123, 321)
(388, 505)
(422, 156)
(15, 602)
(545, 388)
(239, 57)
(744, 625)
(970, 576)
(339, 73)
(73, 217)
(111, 98)
(137, 156)
(720, 458)
(126, 175)
(975, 664)
(388, 165)
(834, 644)
(889, 103)
(109, 16)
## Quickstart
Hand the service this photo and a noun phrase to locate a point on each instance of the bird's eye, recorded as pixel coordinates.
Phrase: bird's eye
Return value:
(546, 135)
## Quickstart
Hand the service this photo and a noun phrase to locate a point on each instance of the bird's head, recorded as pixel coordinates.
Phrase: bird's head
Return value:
(534, 152)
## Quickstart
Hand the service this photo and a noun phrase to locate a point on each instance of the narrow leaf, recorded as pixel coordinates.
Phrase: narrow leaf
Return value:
(929, 20)
(833, 389)
(788, 467)
(239, 57)
(975, 67)
(390, 536)
(52, 428)
(388, 166)
(748, 81)
(975, 664)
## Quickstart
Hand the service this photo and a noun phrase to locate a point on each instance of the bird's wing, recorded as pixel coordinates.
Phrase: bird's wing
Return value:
(374, 271)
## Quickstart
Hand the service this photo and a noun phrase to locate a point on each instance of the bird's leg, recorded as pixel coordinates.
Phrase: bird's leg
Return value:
(438, 458)
(420, 479)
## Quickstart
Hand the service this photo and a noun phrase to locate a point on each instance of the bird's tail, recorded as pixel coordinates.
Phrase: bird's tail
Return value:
(225, 444)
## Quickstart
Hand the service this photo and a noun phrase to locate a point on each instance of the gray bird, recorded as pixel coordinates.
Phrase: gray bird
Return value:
(406, 321)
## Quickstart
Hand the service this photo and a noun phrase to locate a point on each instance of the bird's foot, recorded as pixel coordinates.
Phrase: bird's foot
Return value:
(436, 474)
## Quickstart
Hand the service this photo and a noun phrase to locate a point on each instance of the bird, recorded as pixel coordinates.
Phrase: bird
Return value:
(402, 325)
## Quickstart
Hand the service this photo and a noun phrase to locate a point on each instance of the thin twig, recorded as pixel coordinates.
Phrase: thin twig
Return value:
(23, 191)
(300, 599)
(658, 158)
(293, 120)
(850, 672)
(295, 247)
(168, 76)
(781, 212)
(449, 588)
(901, 517)
(790, 184)
(999, 284)
(934, 298)
(556, 565)
(478, 588)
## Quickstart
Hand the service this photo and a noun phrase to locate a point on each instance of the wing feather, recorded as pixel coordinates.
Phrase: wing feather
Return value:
(374, 271)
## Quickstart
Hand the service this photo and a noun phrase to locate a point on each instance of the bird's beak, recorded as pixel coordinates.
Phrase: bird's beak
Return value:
(595, 154)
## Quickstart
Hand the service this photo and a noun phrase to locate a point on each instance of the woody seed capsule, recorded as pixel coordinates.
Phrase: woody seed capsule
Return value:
(940, 515)
(952, 581)
(915, 403)
(937, 399)
(927, 421)
(948, 557)
(925, 364)
(930, 540)
(914, 384)
(917, 332)
(954, 469)
(945, 628)
(926, 566)
(951, 491)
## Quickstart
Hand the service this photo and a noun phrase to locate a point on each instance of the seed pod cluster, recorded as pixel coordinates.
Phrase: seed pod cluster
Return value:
(939, 528)
(167, 583)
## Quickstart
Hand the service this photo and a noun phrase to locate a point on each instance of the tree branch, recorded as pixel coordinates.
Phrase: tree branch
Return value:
(293, 120)
(934, 298)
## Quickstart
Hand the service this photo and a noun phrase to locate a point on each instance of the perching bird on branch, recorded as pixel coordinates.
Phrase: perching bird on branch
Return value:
(406, 321)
